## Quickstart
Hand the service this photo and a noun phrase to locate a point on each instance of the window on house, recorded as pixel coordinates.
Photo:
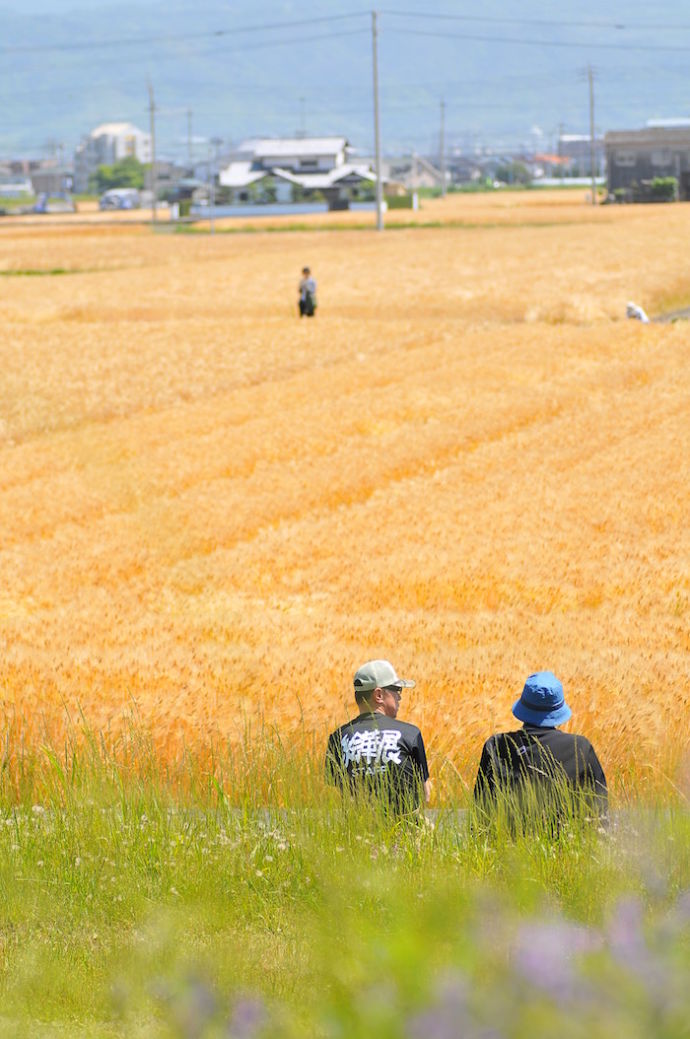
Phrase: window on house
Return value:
(625, 158)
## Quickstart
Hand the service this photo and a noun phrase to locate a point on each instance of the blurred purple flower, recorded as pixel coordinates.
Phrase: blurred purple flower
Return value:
(248, 1018)
(624, 933)
(681, 910)
(627, 942)
(649, 963)
(676, 922)
(449, 1015)
(193, 1008)
(544, 954)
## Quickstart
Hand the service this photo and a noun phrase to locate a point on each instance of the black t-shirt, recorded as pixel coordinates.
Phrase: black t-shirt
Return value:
(544, 758)
(377, 754)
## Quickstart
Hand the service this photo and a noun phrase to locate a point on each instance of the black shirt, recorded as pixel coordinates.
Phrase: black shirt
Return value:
(377, 754)
(541, 757)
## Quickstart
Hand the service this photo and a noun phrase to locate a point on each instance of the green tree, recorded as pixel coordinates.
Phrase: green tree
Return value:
(514, 173)
(127, 173)
(664, 189)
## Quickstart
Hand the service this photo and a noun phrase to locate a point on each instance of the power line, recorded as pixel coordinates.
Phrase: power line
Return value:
(540, 43)
(243, 49)
(129, 41)
(122, 86)
(327, 36)
(459, 107)
(459, 104)
(282, 43)
(197, 45)
(272, 88)
(614, 77)
(175, 37)
(492, 19)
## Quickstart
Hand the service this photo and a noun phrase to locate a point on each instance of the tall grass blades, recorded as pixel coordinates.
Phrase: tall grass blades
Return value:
(129, 908)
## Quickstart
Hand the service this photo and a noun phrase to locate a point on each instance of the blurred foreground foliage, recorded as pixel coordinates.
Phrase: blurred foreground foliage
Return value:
(141, 900)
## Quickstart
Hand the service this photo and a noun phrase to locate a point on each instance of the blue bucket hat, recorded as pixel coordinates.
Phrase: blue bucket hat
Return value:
(542, 701)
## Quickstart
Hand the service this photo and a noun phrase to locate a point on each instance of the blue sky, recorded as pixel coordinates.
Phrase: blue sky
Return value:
(506, 75)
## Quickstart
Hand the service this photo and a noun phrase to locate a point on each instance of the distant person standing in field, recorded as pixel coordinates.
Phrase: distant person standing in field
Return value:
(537, 762)
(375, 754)
(307, 294)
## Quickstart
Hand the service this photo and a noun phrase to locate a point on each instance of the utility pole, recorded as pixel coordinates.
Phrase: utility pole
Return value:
(442, 149)
(212, 164)
(189, 138)
(560, 150)
(211, 190)
(592, 146)
(153, 185)
(377, 134)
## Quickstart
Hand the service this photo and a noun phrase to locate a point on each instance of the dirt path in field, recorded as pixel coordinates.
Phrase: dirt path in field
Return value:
(673, 315)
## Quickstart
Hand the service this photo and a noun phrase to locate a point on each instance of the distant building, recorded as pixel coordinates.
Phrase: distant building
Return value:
(661, 149)
(297, 154)
(51, 177)
(464, 169)
(414, 172)
(169, 176)
(14, 183)
(106, 145)
(288, 166)
(547, 165)
(35, 177)
(576, 148)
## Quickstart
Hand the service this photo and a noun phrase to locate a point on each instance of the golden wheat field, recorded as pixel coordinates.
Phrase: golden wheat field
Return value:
(469, 463)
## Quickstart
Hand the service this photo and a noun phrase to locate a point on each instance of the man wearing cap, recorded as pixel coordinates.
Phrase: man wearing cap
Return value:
(538, 755)
(375, 753)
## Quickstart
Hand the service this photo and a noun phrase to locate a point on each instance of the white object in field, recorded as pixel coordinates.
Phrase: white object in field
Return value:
(637, 313)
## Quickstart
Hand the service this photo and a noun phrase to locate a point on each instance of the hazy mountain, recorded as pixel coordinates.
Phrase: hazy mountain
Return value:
(505, 78)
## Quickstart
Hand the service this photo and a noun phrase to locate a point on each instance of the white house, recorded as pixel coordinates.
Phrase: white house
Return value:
(106, 145)
(297, 154)
(308, 163)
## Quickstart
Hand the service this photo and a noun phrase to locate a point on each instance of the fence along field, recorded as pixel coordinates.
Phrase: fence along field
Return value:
(469, 463)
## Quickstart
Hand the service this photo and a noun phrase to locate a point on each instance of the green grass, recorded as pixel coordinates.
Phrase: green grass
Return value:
(487, 188)
(11, 202)
(138, 898)
(52, 272)
(38, 272)
(398, 225)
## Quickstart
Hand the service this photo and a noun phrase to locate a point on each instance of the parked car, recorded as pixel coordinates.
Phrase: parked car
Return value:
(120, 198)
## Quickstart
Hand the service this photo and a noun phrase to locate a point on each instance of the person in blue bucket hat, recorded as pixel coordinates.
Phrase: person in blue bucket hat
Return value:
(539, 755)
